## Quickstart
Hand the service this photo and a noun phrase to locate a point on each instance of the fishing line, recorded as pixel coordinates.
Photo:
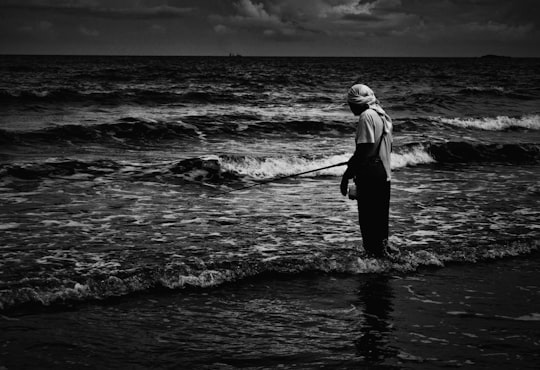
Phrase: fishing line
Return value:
(278, 179)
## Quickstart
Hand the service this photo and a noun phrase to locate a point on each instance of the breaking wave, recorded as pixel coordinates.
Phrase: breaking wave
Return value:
(500, 123)
(207, 169)
(175, 275)
(407, 156)
(267, 168)
(411, 156)
(227, 168)
(137, 130)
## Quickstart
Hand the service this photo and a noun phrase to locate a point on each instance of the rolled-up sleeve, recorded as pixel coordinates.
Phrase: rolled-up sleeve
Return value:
(365, 131)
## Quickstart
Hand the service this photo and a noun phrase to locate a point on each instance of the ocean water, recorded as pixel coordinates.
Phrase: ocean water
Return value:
(116, 201)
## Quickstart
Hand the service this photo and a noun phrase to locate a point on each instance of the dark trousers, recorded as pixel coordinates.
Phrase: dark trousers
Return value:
(373, 197)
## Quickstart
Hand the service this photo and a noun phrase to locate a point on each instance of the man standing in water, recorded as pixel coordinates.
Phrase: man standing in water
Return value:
(370, 169)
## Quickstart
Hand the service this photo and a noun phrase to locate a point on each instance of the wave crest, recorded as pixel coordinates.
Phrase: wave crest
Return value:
(270, 167)
(411, 156)
(179, 275)
(227, 169)
(494, 91)
(499, 123)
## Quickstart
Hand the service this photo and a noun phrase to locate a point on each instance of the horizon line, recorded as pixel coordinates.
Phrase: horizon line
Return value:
(239, 56)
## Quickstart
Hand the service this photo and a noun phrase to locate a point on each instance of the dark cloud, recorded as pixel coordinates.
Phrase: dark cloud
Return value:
(88, 9)
(459, 11)
(362, 17)
(270, 27)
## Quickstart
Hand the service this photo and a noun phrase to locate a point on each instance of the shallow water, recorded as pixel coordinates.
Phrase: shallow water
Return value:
(478, 316)
(137, 235)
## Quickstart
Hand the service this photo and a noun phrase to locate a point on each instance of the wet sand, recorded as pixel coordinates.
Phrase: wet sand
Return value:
(480, 316)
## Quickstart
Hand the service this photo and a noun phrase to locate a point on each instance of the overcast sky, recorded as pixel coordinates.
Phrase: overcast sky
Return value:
(271, 27)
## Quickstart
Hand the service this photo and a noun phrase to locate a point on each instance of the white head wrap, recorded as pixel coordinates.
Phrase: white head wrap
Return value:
(362, 95)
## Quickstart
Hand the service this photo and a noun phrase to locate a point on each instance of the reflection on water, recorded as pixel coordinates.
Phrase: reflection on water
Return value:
(376, 295)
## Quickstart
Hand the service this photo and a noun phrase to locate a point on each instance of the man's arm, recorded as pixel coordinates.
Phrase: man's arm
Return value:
(360, 155)
(364, 134)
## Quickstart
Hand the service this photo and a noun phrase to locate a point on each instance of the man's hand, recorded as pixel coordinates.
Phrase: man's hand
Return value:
(344, 187)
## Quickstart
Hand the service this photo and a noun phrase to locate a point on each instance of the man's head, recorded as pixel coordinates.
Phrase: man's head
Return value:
(360, 97)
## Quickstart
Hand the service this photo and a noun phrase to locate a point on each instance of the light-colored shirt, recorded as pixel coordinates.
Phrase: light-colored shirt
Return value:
(368, 131)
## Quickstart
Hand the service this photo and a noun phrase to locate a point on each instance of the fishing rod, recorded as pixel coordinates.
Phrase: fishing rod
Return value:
(282, 178)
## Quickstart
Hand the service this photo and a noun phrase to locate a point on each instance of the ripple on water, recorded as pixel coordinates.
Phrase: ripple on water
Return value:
(140, 225)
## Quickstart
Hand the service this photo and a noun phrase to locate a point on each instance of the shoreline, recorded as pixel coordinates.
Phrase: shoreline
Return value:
(411, 262)
(463, 314)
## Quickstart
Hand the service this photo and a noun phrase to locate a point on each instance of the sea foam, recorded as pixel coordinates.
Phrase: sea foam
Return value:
(178, 276)
(499, 123)
(414, 156)
(272, 167)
